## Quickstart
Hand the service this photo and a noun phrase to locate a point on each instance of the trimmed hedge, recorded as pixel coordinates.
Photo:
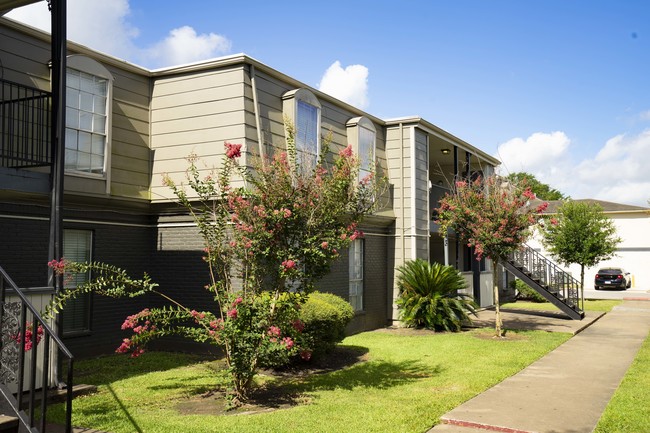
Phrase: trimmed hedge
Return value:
(325, 317)
(525, 292)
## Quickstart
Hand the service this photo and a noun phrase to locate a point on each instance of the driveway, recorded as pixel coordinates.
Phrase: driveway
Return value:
(635, 293)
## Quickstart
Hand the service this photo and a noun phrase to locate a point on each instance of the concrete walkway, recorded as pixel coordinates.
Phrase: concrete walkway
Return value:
(567, 390)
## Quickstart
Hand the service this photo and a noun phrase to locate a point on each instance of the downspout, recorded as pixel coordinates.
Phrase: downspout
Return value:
(260, 143)
(455, 180)
(413, 143)
(401, 165)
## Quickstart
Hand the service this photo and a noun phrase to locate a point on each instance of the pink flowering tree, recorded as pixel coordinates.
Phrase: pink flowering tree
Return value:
(267, 239)
(493, 216)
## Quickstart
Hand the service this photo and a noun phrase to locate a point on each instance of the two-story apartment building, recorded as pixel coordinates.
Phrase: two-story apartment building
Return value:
(125, 126)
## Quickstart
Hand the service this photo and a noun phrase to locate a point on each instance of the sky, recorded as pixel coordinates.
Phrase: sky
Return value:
(556, 88)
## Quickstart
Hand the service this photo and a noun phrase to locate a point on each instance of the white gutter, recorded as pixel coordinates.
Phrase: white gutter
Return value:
(260, 143)
(413, 144)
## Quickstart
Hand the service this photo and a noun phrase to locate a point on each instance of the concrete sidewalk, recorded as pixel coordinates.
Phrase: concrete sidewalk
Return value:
(567, 390)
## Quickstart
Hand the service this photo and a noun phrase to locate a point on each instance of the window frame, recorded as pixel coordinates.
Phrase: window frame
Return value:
(86, 65)
(355, 126)
(290, 106)
(74, 280)
(356, 284)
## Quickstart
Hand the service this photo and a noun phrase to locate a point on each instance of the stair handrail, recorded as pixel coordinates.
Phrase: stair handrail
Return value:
(48, 336)
(560, 282)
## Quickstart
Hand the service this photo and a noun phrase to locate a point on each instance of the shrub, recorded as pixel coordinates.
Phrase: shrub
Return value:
(526, 292)
(429, 296)
(325, 317)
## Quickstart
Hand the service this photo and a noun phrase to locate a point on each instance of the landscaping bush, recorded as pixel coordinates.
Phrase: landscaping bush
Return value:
(429, 296)
(325, 317)
(524, 292)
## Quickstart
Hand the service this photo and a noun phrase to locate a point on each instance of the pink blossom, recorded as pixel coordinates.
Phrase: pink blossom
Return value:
(347, 152)
(324, 245)
(554, 221)
(542, 207)
(237, 301)
(287, 342)
(137, 352)
(232, 313)
(232, 150)
(529, 194)
(57, 265)
(124, 347)
(288, 264)
(274, 331)
(287, 213)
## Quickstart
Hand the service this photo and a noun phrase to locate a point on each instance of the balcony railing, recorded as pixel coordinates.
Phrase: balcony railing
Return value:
(25, 120)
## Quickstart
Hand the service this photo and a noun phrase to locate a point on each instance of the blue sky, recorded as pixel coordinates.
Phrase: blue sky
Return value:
(557, 88)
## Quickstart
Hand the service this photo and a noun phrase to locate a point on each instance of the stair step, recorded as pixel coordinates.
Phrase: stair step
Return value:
(8, 424)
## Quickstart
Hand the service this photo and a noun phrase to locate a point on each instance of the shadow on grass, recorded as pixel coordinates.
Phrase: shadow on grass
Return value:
(95, 371)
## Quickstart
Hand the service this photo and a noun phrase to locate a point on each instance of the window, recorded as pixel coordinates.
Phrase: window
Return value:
(303, 109)
(356, 274)
(77, 246)
(87, 120)
(363, 137)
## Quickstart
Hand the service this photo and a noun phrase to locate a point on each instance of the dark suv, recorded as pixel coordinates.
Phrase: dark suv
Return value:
(612, 277)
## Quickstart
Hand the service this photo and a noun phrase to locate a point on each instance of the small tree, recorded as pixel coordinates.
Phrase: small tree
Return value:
(493, 216)
(266, 243)
(581, 233)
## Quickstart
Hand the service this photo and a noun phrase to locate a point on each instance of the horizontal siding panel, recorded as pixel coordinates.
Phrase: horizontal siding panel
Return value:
(129, 164)
(130, 150)
(129, 190)
(187, 83)
(199, 96)
(196, 110)
(189, 124)
(196, 137)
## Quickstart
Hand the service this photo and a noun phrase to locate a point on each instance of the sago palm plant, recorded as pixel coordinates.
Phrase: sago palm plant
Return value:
(429, 296)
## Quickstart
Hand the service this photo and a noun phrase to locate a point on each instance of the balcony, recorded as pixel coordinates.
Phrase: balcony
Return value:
(25, 140)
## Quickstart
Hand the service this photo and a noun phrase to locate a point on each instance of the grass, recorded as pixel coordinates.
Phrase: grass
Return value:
(628, 410)
(407, 383)
(605, 305)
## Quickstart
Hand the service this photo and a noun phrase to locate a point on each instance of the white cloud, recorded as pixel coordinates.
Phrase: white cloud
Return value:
(184, 45)
(104, 26)
(537, 153)
(349, 84)
(617, 172)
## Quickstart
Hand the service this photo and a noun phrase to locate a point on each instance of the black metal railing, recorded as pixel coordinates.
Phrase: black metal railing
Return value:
(548, 279)
(24, 334)
(25, 125)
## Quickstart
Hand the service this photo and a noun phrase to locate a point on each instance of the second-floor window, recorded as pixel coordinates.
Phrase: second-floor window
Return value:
(85, 139)
(303, 109)
(88, 107)
(362, 134)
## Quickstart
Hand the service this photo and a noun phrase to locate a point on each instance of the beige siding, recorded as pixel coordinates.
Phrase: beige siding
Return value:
(195, 113)
(421, 211)
(24, 59)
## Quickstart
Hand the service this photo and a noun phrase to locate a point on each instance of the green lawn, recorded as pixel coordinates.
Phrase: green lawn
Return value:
(407, 383)
(629, 409)
(590, 305)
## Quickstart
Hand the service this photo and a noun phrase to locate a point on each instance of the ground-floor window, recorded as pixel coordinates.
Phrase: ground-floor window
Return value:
(77, 247)
(356, 274)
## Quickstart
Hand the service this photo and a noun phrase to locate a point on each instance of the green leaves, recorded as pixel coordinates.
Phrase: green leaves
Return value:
(430, 298)
(581, 233)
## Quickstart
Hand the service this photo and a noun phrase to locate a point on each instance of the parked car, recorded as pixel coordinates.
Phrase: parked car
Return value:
(612, 277)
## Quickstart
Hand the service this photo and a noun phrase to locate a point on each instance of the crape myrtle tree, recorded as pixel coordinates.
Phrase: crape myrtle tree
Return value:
(580, 233)
(493, 216)
(266, 244)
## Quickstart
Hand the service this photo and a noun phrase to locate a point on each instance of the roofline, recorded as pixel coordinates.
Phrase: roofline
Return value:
(241, 58)
(436, 130)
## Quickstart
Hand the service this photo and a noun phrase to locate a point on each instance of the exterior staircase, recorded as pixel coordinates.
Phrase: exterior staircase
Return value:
(27, 362)
(549, 280)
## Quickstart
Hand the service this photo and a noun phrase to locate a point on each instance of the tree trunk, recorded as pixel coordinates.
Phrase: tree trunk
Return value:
(495, 290)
